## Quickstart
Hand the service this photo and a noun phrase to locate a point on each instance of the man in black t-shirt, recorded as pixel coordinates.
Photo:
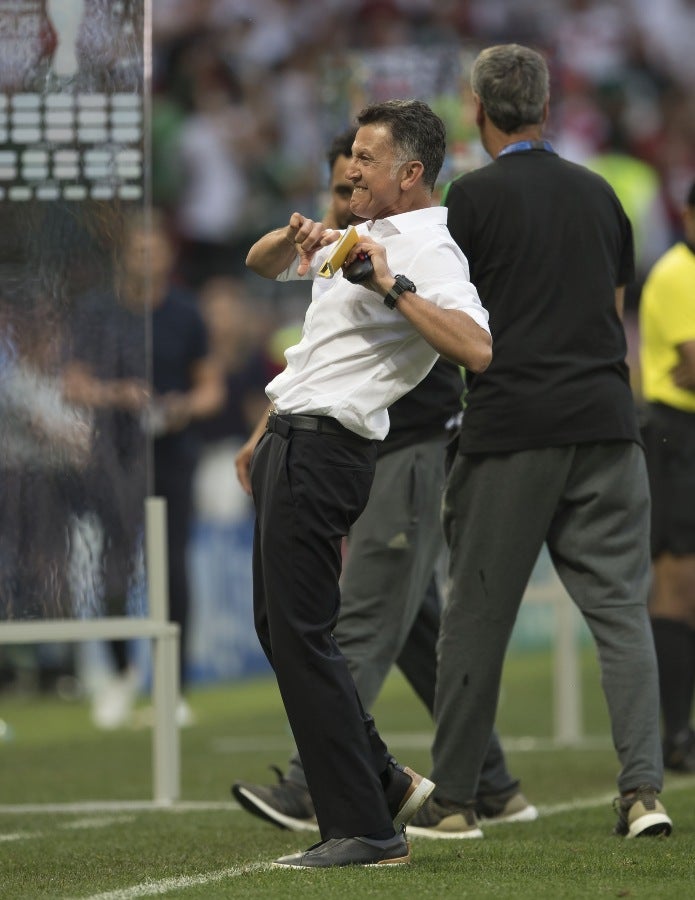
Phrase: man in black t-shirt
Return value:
(550, 448)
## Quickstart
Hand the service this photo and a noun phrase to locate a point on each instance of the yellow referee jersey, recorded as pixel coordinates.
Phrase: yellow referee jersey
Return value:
(667, 319)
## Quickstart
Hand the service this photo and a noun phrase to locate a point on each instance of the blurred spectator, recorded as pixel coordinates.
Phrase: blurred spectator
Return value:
(667, 322)
(213, 145)
(108, 373)
(43, 443)
(667, 31)
(223, 641)
(638, 187)
(237, 344)
(591, 38)
(39, 428)
(173, 18)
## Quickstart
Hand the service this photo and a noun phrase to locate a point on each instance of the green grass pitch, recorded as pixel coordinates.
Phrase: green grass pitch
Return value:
(76, 822)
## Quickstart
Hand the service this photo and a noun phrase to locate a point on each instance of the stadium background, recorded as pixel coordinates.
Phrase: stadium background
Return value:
(245, 98)
(287, 76)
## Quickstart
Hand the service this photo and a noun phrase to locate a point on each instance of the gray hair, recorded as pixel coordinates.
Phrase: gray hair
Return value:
(513, 84)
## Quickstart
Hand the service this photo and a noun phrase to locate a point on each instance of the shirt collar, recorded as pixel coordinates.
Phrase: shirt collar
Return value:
(408, 221)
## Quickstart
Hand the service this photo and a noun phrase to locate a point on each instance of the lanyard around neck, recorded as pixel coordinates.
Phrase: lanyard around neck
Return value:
(520, 146)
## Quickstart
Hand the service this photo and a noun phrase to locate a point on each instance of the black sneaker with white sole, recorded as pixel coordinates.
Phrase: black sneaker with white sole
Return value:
(288, 804)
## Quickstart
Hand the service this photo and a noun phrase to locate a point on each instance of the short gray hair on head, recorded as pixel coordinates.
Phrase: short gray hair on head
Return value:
(513, 84)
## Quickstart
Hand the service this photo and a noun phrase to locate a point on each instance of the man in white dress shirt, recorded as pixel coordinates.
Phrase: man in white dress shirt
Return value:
(363, 346)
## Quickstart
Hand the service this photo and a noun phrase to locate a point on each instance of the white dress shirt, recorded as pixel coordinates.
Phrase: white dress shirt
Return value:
(356, 356)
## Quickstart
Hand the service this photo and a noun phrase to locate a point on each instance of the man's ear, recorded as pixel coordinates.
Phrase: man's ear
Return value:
(546, 111)
(413, 170)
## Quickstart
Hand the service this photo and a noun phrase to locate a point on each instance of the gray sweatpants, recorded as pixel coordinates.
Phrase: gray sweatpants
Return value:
(590, 504)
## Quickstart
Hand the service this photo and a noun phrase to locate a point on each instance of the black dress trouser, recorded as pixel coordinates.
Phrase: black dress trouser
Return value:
(308, 489)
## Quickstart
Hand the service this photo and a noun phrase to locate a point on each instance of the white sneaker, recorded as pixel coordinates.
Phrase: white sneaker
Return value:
(113, 703)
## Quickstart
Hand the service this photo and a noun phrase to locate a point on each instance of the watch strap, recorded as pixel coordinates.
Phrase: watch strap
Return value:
(402, 285)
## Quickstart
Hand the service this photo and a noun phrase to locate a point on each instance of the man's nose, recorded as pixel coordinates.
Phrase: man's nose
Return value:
(352, 173)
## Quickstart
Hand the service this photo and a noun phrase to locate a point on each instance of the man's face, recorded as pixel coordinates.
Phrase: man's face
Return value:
(147, 254)
(375, 177)
(341, 193)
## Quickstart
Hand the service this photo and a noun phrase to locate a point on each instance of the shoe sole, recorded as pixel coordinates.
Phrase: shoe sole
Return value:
(398, 861)
(420, 789)
(528, 814)
(651, 825)
(433, 834)
(257, 807)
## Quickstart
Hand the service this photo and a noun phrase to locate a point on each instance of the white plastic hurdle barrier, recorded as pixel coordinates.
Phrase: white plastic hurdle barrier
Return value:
(165, 645)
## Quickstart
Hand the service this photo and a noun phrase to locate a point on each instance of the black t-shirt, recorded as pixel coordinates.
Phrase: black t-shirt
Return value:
(179, 341)
(110, 340)
(113, 340)
(547, 243)
(427, 411)
(247, 383)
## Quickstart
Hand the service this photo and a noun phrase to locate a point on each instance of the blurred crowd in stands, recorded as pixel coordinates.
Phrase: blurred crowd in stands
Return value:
(247, 96)
(249, 93)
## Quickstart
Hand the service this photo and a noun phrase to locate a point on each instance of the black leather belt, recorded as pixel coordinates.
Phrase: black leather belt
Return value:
(285, 423)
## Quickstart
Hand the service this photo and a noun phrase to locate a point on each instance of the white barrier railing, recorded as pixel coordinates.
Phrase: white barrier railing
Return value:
(155, 626)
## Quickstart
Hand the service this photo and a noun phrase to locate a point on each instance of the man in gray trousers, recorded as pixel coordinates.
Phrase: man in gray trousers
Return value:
(550, 450)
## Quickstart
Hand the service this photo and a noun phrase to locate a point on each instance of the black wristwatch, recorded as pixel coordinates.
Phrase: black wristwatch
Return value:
(402, 284)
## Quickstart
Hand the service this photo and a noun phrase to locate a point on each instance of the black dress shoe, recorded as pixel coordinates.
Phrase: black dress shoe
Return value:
(350, 851)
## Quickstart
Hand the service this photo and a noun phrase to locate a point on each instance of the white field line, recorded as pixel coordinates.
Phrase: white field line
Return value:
(167, 885)
(106, 806)
(75, 825)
